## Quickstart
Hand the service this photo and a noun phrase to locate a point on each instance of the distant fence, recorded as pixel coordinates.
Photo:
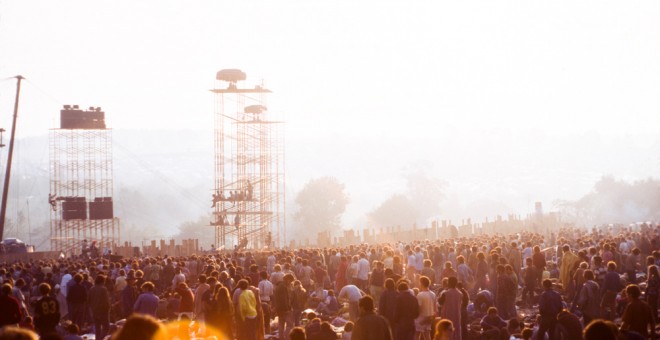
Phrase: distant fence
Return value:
(25, 257)
(159, 248)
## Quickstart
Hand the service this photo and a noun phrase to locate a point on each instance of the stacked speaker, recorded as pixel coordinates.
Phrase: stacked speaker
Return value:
(76, 208)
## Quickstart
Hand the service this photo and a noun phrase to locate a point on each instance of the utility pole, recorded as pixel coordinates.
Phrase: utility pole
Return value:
(5, 189)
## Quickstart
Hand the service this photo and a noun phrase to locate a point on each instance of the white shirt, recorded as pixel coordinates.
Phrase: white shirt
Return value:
(350, 293)
(426, 301)
(65, 279)
(265, 290)
(363, 269)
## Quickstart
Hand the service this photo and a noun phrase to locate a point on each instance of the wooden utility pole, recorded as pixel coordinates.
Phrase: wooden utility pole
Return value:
(5, 189)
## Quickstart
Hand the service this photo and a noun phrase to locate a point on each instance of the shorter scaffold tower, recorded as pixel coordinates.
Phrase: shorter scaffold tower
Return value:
(248, 199)
(81, 183)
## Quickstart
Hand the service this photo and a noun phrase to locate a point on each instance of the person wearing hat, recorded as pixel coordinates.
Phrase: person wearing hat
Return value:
(129, 295)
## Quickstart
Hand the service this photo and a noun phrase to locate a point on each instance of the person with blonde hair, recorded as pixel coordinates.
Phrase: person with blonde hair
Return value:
(444, 330)
(142, 327)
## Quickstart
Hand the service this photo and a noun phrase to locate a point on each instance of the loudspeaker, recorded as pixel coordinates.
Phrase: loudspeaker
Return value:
(74, 210)
(100, 210)
(78, 119)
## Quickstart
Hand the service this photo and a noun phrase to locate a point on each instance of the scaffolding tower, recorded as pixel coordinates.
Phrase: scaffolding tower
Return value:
(248, 198)
(81, 182)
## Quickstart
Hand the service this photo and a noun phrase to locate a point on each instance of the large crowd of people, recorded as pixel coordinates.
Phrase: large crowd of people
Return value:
(601, 283)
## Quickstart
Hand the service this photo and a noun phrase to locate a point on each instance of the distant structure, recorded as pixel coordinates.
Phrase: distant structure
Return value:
(248, 198)
(81, 182)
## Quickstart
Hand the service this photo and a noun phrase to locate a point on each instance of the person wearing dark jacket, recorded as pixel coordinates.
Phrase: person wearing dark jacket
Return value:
(387, 303)
(46, 312)
(569, 325)
(283, 308)
(129, 295)
(371, 326)
(638, 316)
(11, 312)
(550, 304)
(531, 282)
(407, 310)
(99, 303)
(76, 299)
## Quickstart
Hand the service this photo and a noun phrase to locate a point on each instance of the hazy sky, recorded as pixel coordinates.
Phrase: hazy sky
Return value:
(341, 69)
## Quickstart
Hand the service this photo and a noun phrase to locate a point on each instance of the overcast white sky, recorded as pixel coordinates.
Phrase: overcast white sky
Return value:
(341, 69)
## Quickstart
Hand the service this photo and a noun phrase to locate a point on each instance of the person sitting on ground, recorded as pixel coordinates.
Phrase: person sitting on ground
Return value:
(313, 327)
(330, 305)
(297, 333)
(492, 325)
(72, 331)
(348, 331)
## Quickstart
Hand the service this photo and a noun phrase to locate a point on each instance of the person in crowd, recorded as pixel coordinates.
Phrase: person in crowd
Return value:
(329, 306)
(407, 310)
(531, 282)
(15, 333)
(220, 312)
(46, 312)
(611, 287)
(297, 333)
(568, 325)
(492, 325)
(601, 330)
(283, 304)
(348, 331)
(427, 309)
(550, 304)
(138, 327)
(147, 302)
(387, 303)
(247, 312)
(370, 326)
(11, 313)
(444, 330)
(299, 298)
(588, 300)
(99, 304)
(77, 300)
(637, 316)
(351, 294)
(377, 280)
(652, 289)
(450, 301)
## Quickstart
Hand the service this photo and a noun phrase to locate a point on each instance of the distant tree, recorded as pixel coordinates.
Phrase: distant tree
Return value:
(320, 205)
(615, 201)
(396, 210)
(425, 192)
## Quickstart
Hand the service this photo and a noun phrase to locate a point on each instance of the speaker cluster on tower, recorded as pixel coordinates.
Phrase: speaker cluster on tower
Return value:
(72, 117)
(77, 208)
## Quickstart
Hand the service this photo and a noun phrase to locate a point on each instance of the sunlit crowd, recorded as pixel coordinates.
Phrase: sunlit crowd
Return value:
(601, 283)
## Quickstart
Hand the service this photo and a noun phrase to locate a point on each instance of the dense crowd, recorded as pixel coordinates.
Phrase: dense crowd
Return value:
(601, 283)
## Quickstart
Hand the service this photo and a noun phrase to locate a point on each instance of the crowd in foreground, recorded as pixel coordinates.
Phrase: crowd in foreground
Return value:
(601, 283)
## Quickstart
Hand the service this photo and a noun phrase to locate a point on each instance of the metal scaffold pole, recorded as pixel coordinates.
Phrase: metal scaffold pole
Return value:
(5, 189)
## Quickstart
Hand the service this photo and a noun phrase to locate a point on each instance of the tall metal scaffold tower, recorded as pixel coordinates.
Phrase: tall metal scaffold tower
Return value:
(248, 196)
(81, 182)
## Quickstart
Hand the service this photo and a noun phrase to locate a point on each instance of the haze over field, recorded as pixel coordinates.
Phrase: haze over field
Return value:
(506, 103)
